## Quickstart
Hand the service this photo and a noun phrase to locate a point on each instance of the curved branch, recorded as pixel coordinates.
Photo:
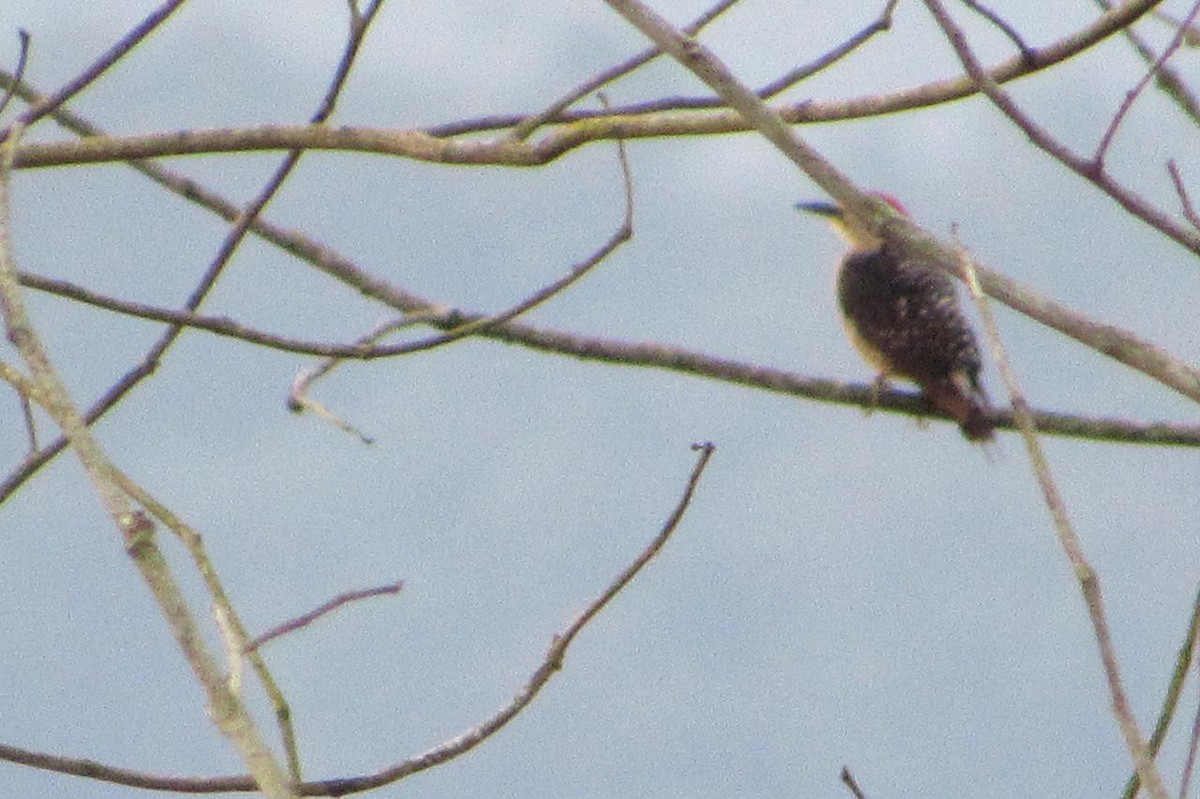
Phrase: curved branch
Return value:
(447, 750)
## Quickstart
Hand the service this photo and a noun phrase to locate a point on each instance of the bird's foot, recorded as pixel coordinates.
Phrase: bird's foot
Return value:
(878, 386)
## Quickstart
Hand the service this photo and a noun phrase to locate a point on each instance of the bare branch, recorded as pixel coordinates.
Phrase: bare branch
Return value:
(1089, 581)
(875, 104)
(1020, 297)
(91, 769)
(880, 24)
(1185, 199)
(1088, 169)
(1156, 68)
(620, 352)
(852, 784)
(308, 618)
(906, 236)
(228, 713)
(219, 325)
(530, 124)
(448, 750)
(1183, 663)
(22, 60)
(1107, 339)
(935, 93)
(1125, 347)
(134, 37)
(1185, 784)
(233, 632)
(30, 422)
(1027, 52)
(481, 326)
(1169, 81)
(299, 399)
(436, 145)
(1191, 34)
(550, 665)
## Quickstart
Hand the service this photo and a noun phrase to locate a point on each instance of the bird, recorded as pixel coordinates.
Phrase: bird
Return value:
(904, 318)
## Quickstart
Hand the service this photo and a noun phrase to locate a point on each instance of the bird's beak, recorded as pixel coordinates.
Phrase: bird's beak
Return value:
(821, 209)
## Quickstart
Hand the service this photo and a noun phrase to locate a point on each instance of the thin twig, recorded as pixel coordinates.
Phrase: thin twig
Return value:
(1172, 84)
(19, 72)
(1183, 664)
(1191, 34)
(608, 350)
(526, 127)
(550, 665)
(875, 104)
(1084, 167)
(621, 235)
(291, 625)
(1156, 68)
(136, 35)
(30, 423)
(218, 325)
(300, 399)
(880, 24)
(1185, 783)
(1089, 581)
(852, 784)
(1027, 52)
(232, 641)
(1185, 199)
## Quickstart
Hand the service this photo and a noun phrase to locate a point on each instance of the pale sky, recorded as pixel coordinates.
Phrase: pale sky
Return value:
(845, 590)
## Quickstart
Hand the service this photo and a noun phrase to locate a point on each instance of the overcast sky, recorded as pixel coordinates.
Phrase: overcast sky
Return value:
(846, 589)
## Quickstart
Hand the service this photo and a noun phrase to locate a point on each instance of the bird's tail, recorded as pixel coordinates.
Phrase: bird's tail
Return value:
(966, 404)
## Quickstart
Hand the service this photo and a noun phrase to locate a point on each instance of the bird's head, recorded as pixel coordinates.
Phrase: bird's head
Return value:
(851, 228)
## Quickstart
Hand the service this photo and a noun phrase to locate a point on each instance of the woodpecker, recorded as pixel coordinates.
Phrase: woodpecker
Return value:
(904, 318)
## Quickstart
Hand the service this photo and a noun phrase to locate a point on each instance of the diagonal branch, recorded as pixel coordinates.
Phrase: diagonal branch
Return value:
(1183, 663)
(1169, 80)
(911, 240)
(136, 35)
(1158, 67)
(305, 619)
(228, 712)
(554, 111)
(1068, 539)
